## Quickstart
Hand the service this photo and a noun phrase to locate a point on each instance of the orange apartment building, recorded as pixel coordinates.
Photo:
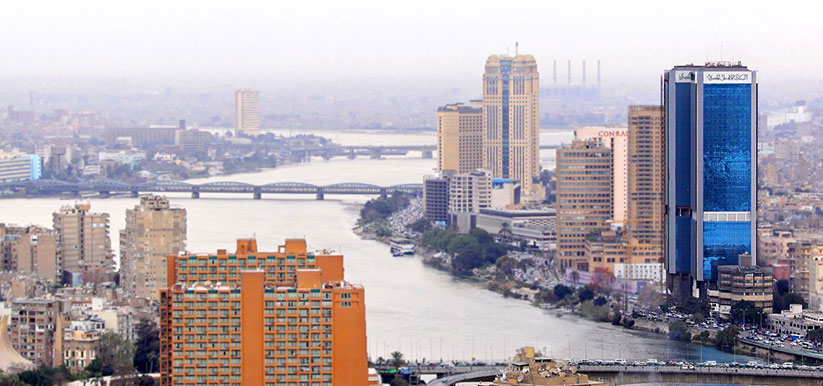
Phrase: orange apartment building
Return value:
(262, 319)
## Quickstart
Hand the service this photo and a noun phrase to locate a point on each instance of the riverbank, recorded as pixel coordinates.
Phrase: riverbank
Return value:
(582, 310)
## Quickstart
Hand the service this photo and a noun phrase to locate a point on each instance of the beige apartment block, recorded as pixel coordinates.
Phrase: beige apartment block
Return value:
(247, 105)
(27, 249)
(153, 231)
(646, 181)
(85, 247)
(459, 138)
(511, 119)
(584, 198)
(617, 139)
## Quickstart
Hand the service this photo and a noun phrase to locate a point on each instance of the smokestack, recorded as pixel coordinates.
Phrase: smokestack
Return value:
(584, 72)
(598, 75)
(570, 73)
(554, 73)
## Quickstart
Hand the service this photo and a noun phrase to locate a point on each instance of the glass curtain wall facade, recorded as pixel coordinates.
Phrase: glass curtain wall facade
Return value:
(711, 120)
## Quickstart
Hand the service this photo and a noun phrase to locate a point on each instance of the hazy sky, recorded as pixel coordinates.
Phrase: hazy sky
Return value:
(410, 40)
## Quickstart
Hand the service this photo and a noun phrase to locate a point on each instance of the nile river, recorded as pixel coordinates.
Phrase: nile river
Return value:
(410, 307)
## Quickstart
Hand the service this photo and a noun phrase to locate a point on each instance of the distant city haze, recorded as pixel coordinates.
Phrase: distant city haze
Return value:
(412, 49)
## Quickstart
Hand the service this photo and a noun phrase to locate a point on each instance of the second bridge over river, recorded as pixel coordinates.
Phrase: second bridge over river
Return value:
(108, 187)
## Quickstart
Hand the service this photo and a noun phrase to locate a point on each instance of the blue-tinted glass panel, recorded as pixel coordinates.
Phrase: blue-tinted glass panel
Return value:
(683, 143)
(723, 242)
(727, 136)
(683, 251)
(505, 72)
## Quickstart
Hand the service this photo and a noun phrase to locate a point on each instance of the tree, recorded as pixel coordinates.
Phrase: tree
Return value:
(727, 338)
(602, 281)
(600, 301)
(815, 335)
(679, 331)
(783, 301)
(505, 232)
(467, 254)
(397, 381)
(147, 347)
(397, 359)
(744, 312)
(420, 226)
(585, 293)
(116, 354)
(10, 380)
(575, 277)
(561, 291)
(703, 336)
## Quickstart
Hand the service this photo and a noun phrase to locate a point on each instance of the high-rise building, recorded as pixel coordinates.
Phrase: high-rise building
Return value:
(584, 198)
(459, 138)
(436, 197)
(262, 318)
(30, 249)
(511, 119)
(154, 230)
(35, 330)
(85, 247)
(711, 123)
(646, 181)
(247, 105)
(470, 192)
(617, 139)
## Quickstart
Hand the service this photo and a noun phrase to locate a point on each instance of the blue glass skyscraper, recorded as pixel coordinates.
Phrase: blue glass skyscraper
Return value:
(711, 135)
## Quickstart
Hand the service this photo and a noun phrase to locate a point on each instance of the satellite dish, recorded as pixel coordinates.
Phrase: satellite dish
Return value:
(520, 378)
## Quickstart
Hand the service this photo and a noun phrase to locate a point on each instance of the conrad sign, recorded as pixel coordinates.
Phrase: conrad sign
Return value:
(611, 133)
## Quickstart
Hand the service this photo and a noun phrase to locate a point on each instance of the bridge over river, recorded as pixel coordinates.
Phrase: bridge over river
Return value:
(615, 375)
(106, 188)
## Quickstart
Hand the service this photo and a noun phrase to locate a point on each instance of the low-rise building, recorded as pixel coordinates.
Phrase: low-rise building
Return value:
(795, 320)
(15, 167)
(743, 282)
(602, 251)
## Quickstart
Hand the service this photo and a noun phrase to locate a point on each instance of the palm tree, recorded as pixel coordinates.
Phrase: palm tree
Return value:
(505, 232)
(397, 359)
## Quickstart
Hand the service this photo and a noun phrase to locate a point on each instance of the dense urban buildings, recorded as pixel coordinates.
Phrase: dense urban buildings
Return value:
(85, 247)
(584, 198)
(154, 230)
(262, 318)
(459, 138)
(646, 181)
(247, 108)
(511, 141)
(711, 123)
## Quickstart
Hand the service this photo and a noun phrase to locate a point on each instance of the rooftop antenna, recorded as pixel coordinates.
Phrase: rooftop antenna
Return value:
(516, 47)
(721, 50)
(507, 50)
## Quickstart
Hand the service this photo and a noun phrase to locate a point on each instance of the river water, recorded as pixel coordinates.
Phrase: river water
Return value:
(412, 308)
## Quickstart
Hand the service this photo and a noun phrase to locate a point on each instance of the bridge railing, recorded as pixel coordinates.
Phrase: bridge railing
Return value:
(55, 186)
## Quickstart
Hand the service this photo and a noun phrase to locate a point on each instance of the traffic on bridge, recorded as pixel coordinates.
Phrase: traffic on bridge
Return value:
(106, 188)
